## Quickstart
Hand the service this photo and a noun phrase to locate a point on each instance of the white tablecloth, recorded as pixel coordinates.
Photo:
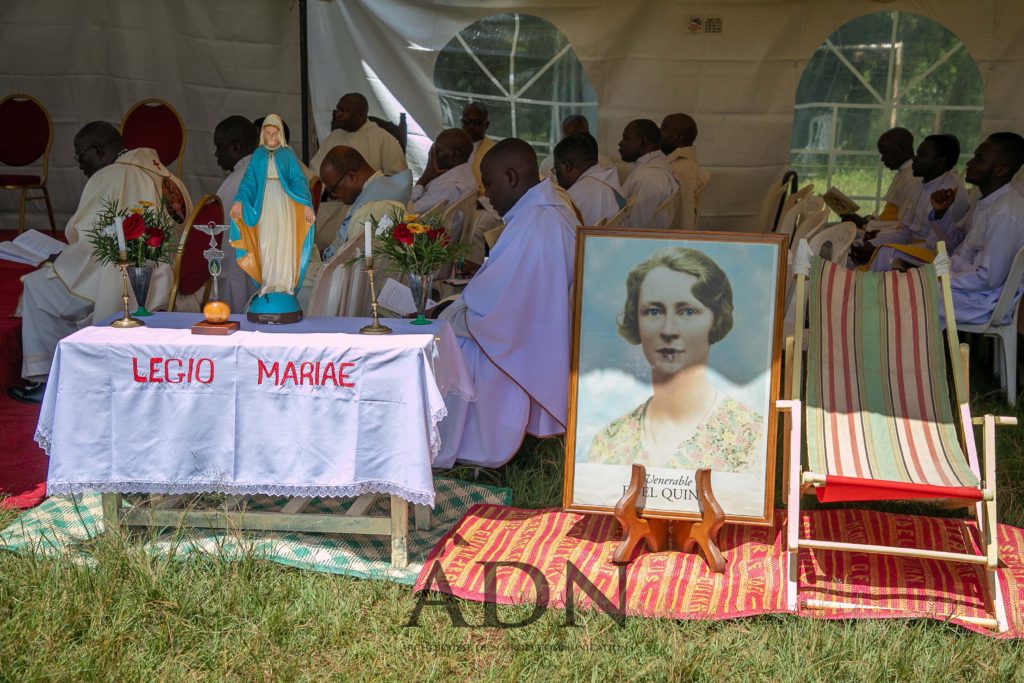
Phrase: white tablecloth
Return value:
(299, 410)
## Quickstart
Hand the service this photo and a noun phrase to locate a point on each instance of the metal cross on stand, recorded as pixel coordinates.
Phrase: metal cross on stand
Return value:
(214, 255)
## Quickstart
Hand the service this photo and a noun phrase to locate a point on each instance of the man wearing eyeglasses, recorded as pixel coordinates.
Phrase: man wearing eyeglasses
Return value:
(475, 121)
(73, 289)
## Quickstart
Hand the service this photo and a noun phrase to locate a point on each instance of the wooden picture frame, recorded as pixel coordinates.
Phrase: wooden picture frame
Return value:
(683, 353)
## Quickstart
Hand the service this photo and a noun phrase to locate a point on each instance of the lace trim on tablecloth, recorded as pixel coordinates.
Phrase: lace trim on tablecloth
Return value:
(348, 491)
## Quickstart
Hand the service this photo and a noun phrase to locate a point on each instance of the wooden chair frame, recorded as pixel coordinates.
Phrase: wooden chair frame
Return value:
(800, 480)
(206, 200)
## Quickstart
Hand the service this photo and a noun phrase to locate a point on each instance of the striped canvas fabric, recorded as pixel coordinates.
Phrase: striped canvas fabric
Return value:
(878, 403)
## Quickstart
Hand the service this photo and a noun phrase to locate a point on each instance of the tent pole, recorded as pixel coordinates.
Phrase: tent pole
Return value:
(304, 79)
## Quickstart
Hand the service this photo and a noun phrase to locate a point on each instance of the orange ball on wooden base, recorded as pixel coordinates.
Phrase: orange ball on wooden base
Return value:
(216, 312)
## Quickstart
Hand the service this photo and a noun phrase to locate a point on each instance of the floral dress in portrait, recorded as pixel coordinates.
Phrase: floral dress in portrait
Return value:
(725, 441)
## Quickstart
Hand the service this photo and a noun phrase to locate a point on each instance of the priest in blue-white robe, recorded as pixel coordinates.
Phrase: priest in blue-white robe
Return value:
(513, 319)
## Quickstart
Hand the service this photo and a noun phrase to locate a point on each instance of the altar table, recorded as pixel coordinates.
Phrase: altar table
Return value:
(308, 410)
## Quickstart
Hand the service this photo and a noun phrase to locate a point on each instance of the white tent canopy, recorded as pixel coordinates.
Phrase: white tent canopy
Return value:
(90, 61)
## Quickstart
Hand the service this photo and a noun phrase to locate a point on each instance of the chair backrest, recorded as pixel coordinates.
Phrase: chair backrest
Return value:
(797, 197)
(620, 218)
(26, 132)
(789, 222)
(838, 238)
(665, 215)
(771, 207)
(155, 124)
(698, 196)
(808, 224)
(1008, 295)
(891, 415)
(316, 191)
(459, 215)
(331, 287)
(191, 271)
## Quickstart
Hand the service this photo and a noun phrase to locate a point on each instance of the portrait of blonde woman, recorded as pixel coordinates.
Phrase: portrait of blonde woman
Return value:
(678, 304)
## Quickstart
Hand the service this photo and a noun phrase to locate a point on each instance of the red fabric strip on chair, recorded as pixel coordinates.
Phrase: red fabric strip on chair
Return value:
(847, 489)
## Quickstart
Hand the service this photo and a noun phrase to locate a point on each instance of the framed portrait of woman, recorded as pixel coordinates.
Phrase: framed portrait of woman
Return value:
(676, 363)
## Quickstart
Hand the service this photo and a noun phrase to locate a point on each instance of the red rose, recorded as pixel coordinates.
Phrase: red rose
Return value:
(134, 226)
(435, 234)
(154, 237)
(403, 234)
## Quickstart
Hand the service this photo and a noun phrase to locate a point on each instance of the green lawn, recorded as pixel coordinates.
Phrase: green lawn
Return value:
(133, 617)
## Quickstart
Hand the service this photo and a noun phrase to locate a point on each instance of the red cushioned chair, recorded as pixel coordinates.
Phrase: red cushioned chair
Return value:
(26, 134)
(191, 272)
(155, 124)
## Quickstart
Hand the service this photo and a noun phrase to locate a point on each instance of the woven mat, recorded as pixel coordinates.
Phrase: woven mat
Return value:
(679, 586)
(62, 526)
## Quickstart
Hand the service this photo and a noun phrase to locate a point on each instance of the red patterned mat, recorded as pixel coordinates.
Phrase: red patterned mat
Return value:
(679, 586)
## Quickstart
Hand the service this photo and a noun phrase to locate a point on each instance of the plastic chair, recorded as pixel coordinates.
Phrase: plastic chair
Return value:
(155, 124)
(665, 215)
(698, 197)
(459, 215)
(26, 134)
(330, 297)
(808, 224)
(191, 270)
(794, 199)
(789, 222)
(839, 238)
(885, 430)
(1004, 330)
(620, 218)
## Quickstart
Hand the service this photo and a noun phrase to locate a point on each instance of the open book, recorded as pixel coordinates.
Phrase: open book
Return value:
(30, 247)
(398, 299)
(839, 202)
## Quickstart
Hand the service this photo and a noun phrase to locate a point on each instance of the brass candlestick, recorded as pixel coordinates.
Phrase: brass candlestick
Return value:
(374, 327)
(126, 319)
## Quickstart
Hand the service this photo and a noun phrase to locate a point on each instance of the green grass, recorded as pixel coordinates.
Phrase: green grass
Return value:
(135, 617)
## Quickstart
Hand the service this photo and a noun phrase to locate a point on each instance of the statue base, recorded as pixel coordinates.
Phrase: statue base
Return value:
(275, 308)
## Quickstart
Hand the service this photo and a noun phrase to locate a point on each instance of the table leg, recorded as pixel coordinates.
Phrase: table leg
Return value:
(399, 532)
(111, 511)
(422, 514)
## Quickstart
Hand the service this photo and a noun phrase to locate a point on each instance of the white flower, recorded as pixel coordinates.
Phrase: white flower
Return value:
(383, 224)
(108, 231)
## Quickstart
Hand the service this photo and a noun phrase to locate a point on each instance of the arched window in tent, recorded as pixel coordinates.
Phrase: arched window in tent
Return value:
(526, 73)
(875, 72)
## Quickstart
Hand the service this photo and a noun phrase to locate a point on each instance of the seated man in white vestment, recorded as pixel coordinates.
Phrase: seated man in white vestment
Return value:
(594, 188)
(573, 124)
(513, 319)
(896, 151)
(448, 176)
(992, 233)
(350, 127)
(935, 166)
(651, 181)
(475, 121)
(678, 133)
(74, 289)
(234, 140)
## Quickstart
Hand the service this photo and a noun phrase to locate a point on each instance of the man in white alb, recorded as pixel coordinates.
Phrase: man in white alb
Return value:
(896, 149)
(448, 176)
(678, 133)
(594, 188)
(573, 124)
(651, 181)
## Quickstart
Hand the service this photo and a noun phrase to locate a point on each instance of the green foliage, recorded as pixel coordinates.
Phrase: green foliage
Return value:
(155, 242)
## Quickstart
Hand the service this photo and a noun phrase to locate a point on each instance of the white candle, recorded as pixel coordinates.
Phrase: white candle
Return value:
(119, 228)
(368, 236)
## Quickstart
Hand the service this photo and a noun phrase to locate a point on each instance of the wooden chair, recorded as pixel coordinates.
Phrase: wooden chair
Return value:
(316, 191)
(155, 124)
(620, 218)
(1002, 326)
(838, 238)
(884, 429)
(191, 272)
(26, 134)
(665, 215)
(331, 289)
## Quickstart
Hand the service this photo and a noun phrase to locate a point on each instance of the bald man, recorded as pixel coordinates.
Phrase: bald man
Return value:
(573, 124)
(75, 290)
(513, 319)
(678, 133)
(651, 181)
(896, 150)
(448, 176)
(378, 147)
(475, 121)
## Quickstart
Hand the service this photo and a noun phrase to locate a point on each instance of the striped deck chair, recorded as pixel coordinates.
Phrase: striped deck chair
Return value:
(879, 424)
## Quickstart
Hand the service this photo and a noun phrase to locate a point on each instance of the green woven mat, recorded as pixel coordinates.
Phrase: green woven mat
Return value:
(62, 526)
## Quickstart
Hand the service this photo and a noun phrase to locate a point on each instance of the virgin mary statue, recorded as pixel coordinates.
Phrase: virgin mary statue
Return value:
(272, 227)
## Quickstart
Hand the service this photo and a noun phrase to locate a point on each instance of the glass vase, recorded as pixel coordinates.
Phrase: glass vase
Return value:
(139, 277)
(420, 286)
